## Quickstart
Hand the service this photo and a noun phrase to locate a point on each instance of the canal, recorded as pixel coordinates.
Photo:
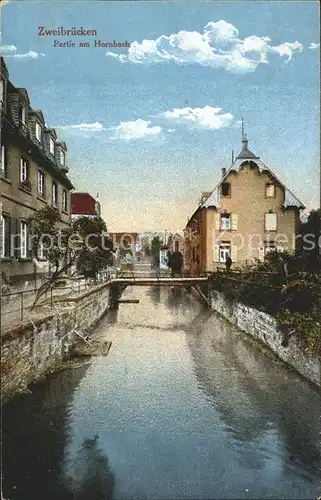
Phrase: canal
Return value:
(183, 407)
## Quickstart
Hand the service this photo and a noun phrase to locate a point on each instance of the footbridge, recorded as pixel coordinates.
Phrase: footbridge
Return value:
(198, 283)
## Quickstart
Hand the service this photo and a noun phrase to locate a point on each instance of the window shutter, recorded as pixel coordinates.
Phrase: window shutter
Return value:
(29, 241)
(234, 222)
(270, 222)
(216, 253)
(261, 254)
(3, 152)
(7, 236)
(21, 169)
(15, 238)
(217, 221)
(234, 253)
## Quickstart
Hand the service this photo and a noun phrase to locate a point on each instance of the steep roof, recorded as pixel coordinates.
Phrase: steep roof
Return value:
(290, 200)
(82, 204)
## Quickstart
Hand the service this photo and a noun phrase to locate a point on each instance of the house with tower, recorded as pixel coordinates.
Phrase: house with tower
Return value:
(249, 213)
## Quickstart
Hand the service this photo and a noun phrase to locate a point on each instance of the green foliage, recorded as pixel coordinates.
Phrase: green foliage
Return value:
(84, 244)
(294, 299)
(306, 327)
(155, 248)
(45, 231)
(93, 249)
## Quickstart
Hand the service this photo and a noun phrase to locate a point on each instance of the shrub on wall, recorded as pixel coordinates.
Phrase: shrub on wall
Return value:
(293, 299)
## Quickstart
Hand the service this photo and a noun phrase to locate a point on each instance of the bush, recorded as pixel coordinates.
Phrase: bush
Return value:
(294, 300)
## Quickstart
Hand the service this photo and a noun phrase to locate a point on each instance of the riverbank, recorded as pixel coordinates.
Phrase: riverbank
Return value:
(183, 406)
(264, 328)
(39, 347)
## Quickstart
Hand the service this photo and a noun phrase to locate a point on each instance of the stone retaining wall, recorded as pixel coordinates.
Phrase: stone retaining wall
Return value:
(32, 350)
(264, 328)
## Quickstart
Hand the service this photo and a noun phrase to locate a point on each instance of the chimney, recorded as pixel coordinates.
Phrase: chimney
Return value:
(205, 195)
(223, 172)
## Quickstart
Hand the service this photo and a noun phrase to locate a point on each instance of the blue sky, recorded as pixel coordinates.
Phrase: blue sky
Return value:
(150, 127)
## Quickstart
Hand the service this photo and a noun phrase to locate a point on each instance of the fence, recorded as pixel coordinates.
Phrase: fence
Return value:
(17, 305)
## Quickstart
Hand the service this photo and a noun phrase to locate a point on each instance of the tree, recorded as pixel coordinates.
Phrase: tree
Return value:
(309, 251)
(84, 245)
(155, 248)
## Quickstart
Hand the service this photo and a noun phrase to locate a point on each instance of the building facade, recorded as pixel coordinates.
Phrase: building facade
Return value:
(34, 174)
(249, 213)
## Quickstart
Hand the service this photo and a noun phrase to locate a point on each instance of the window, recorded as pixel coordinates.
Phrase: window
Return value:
(54, 193)
(270, 190)
(41, 251)
(226, 189)
(41, 183)
(62, 157)
(38, 132)
(24, 170)
(5, 236)
(224, 251)
(22, 114)
(4, 161)
(270, 222)
(225, 222)
(23, 239)
(64, 201)
(52, 146)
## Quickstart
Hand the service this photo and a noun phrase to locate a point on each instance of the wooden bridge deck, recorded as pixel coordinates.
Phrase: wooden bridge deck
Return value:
(159, 280)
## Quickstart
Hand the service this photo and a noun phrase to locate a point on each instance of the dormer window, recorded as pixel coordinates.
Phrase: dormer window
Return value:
(270, 190)
(22, 114)
(51, 146)
(62, 157)
(226, 189)
(38, 132)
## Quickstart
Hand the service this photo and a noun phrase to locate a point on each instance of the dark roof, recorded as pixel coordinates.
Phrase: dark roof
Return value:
(246, 153)
(83, 204)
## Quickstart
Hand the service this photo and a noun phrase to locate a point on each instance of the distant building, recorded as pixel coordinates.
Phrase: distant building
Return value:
(249, 213)
(176, 243)
(84, 205)
(33, 175)
(126, 240)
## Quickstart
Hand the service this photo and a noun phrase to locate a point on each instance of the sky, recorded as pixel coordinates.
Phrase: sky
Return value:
(150, 126)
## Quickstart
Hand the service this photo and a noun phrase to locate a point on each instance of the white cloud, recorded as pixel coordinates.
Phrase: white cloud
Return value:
(7, 51)
(219, 46)
(7, 48)
(314, 45)
(207, 117)
(83, 127)
(135, 130)
(287, 49)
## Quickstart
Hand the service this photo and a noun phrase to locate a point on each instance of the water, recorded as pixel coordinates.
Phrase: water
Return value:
(183, 406)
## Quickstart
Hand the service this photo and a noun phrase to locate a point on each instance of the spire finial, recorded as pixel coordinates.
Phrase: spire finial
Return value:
(245, 141)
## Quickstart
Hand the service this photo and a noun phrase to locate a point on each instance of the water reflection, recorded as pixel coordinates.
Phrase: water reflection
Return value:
(258, 398)
(89, 476)
(182, 407)
(34, 433)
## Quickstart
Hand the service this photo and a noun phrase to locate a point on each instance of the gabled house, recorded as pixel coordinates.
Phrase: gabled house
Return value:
(248, 213)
